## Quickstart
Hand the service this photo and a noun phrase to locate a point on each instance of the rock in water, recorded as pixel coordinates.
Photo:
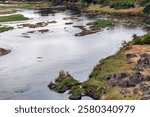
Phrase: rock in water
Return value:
(75, 97)
(63, 83)
(3, 51)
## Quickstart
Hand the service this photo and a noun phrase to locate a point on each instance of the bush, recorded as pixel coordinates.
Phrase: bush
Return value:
(142, 40)
(103, 2)
(147, 9)
(143, 2)
(122, 4)
(99, 23)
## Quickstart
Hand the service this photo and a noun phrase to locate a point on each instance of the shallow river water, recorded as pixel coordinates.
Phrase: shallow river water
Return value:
(35, 61)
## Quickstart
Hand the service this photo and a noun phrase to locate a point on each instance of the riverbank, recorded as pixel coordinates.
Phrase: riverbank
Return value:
(25, 5)
(124, 75)
(136, 11)
(112, 7)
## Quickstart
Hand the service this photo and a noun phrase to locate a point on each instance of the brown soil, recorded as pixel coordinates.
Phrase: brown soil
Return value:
(138, 50)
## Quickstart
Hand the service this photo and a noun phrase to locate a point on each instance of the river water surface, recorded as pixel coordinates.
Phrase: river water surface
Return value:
(35, 61)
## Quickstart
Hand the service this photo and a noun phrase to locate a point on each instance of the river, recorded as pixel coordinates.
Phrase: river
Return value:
(35, 61)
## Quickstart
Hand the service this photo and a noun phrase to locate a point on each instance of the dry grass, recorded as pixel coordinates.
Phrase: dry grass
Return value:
(108, 10)
(138, 50)
(6, 11)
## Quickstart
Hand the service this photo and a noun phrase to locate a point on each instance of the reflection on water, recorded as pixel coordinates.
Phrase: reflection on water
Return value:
(35, 61)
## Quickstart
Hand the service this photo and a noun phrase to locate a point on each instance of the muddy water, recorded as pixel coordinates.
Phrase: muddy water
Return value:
(36, 58)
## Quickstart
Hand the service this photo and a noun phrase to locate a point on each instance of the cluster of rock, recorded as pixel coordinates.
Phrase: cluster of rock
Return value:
(126, 80)
(69, 18)
(89, 91)
(4, 51)
(84, 31)
(26, 35)
(36, 25)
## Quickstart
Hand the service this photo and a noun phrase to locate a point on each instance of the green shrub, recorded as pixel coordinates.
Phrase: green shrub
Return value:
(99, 23)
(143, 2)
(147, 9)
(122, 4)
(142, 40)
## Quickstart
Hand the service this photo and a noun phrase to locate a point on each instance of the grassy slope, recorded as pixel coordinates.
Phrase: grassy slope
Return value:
(114, 64)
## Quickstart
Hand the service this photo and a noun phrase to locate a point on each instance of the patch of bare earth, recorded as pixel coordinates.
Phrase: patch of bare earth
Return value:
(2, 11)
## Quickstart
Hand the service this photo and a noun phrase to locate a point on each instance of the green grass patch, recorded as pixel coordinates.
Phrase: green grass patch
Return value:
(3, 29)
(76, 90)
(16, 17)
(99, 23)
(141, 40)
(110, 65)
(122, 4)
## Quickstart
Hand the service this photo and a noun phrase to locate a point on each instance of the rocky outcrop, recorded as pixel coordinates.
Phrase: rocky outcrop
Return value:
(75, 97)
(135, 80)
(144, 61)
(129, 56)
(63, 83)
(36, 25)
(84, 31)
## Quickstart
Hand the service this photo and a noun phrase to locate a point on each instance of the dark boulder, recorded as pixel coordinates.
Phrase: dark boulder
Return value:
(138, 68)
(135, 91)
(136, 78)
(133, 81)
(147, 78)
(145, 97)
(120, 76)
(129, 56)
(124, 91)
(51, 85)
(92, 92)
(75, 97)
(43, 30)
(144, 60)
(4, 51)
(144, 87)
(63, 89)
(110, 76)
(113, 82)
(146, 92)
(123, 83)
(117, 76)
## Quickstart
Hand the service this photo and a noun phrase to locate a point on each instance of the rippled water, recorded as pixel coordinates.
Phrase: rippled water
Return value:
(34, 62)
